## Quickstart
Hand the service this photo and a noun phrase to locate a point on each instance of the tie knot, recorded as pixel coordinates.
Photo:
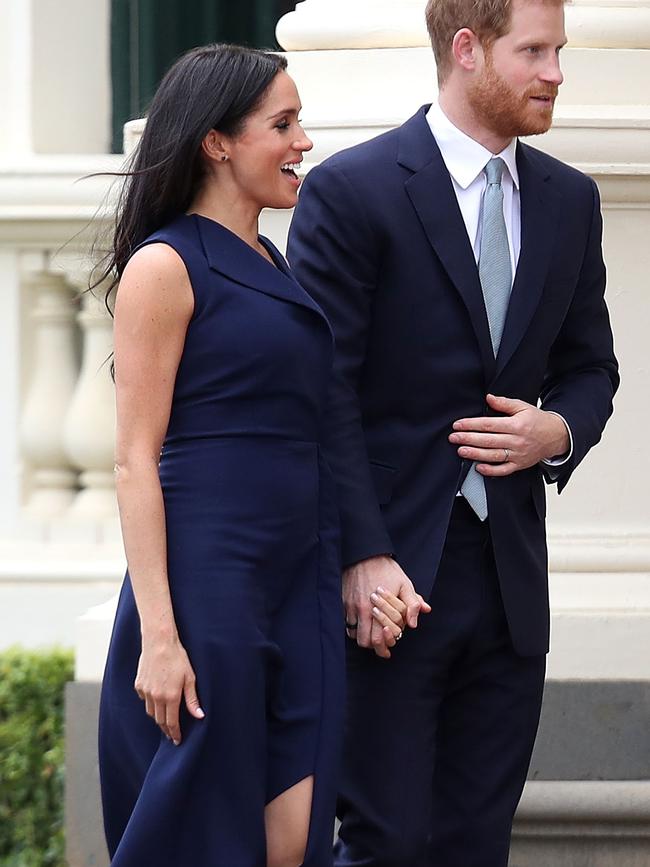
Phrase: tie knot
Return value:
(494, 170)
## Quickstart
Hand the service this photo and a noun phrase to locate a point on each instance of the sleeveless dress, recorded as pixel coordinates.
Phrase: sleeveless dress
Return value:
(254, 573)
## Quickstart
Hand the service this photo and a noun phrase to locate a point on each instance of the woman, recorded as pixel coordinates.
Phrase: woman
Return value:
(229, 622)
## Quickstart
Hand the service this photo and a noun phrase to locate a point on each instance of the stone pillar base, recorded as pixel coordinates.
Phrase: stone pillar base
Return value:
(583, 824)
(84, 830)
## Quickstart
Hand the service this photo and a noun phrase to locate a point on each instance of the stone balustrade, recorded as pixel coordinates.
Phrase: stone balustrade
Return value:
(67, 421)
(60, 550)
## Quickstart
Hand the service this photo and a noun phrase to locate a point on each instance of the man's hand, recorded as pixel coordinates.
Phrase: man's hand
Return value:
(502, 445)
(364, 579)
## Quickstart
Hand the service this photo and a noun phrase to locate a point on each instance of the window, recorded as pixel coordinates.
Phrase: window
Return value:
(148, 35)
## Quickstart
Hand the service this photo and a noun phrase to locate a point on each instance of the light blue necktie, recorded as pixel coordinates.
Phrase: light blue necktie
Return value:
(495, 273)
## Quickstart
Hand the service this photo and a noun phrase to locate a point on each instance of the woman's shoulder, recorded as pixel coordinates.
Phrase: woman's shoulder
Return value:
(157, 259)
(154, 303)
(154, 271)
(164, 256)
(171, 253)
(155, 285)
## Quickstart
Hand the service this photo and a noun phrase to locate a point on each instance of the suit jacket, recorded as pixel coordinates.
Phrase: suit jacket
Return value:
(379, 241)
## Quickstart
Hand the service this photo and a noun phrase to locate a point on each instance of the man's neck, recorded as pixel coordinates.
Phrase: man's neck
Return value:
(463, 118)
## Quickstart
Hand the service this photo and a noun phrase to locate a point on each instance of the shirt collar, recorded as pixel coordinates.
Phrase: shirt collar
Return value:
(464, 157)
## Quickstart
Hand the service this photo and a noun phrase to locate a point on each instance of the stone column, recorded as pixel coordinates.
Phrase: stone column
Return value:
(41, 53)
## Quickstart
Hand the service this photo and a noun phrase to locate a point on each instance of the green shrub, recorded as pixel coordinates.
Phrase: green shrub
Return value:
(31, 756)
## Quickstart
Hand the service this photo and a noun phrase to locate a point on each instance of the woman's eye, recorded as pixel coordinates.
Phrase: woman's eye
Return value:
(284, 124)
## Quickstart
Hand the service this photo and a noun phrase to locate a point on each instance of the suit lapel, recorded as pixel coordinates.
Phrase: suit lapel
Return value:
(540, 206)
(432, 195)
(231, 256)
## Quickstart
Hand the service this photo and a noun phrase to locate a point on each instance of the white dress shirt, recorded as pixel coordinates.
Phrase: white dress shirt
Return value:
(465, 160)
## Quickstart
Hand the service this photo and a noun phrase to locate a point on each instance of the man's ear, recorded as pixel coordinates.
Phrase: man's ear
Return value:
(466, 49)
(215, 146)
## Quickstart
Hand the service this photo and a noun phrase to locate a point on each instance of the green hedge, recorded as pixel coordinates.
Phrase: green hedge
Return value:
(31, 756)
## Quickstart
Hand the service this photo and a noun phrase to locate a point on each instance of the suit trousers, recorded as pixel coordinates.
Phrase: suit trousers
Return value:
(438, 738)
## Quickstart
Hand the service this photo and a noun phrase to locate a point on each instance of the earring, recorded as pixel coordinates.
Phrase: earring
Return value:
(224, 157)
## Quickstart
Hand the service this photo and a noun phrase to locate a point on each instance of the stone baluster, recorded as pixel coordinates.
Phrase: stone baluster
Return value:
(89, 430)
(51, 481)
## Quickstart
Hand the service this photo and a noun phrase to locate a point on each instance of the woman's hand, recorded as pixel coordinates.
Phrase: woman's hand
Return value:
(164, 677)
(363, 579)
(390, 612)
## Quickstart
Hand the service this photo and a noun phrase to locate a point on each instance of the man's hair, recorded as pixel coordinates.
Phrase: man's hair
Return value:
(488, 19)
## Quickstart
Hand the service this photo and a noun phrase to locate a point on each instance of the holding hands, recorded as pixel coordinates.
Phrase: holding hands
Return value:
(520, 438)
(379, 601)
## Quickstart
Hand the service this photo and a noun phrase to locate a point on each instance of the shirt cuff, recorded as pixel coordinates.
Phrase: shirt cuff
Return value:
(562, 459)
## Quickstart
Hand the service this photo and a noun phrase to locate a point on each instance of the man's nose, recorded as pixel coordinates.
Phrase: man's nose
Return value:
(552, 72)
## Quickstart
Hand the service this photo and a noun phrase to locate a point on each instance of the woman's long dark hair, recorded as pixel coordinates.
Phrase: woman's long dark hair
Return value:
(212, 87)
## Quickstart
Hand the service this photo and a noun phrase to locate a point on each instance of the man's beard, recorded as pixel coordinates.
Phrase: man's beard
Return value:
(506, 113)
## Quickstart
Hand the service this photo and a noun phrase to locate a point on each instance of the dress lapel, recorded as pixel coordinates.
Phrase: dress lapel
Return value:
(228, 254)
(432, 195)
(540, 207)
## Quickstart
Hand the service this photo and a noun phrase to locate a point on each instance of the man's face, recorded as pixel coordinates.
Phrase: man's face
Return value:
(515, 91)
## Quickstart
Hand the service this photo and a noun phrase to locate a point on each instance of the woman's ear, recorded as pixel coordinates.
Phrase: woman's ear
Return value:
(215, 147)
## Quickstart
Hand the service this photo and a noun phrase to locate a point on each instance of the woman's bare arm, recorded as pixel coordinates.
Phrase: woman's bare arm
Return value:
(153, 308)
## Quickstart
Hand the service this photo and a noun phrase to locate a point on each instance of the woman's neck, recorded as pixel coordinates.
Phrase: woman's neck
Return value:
(229, 211)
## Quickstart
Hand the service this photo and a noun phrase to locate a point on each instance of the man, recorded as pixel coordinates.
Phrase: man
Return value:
(463, 276)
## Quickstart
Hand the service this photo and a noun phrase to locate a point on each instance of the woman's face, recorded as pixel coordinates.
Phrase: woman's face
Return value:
(265, 156)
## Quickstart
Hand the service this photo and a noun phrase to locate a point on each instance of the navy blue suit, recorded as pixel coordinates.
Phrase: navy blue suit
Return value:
(379, 241)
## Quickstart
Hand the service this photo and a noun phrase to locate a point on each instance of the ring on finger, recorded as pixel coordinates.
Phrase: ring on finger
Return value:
(399, 635)
(506, 456)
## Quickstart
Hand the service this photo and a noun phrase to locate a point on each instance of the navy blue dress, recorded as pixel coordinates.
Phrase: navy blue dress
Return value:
(254, 573)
